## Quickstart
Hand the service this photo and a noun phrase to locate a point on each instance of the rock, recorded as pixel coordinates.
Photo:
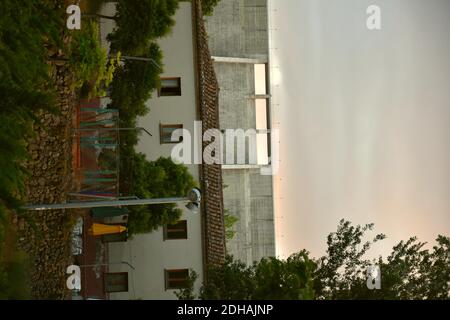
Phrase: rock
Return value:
(21, 224)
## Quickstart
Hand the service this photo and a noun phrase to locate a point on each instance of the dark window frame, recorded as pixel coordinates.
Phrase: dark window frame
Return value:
(161, 136)
(168, 91)
(180, 227)
(169, 282)
(105, 280)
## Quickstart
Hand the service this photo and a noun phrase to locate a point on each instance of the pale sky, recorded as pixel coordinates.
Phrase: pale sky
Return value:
(364, 119)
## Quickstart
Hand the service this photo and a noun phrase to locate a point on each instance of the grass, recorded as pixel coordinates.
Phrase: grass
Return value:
(26, 30)
(91, 6)
(14, 267)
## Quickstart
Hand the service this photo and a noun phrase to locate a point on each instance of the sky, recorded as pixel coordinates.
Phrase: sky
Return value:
(364, 119)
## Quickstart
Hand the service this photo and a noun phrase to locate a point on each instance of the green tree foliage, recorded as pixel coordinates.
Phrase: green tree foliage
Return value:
(135, 80)
(133, 84)
(89, 61)
(188, 292)
(230, 221)
(152, 18)
(15, 279)
(290, 279)
(233, 280)
(94, 6)
(157, 179)
(409, 272)
(27, 29)
(271, 278)
(208, 6)
(412, 272)
(340, 272)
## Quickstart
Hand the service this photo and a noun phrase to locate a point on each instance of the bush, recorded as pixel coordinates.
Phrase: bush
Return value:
(157, 179)
(90, 62)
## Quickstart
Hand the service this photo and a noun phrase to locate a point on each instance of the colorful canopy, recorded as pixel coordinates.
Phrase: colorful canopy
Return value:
(99, 229)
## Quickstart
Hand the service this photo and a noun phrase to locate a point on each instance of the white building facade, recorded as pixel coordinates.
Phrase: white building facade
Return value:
(163, 258)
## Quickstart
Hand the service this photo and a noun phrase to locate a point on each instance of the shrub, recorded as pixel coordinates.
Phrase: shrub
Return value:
(90, 62)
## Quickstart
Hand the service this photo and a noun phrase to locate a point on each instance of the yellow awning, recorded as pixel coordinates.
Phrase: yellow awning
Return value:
(99, 229)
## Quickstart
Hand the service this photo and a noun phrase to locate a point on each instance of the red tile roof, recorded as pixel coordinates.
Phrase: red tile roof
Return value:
(211, 175)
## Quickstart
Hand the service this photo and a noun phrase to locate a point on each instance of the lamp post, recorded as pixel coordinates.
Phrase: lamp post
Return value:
(192, 203)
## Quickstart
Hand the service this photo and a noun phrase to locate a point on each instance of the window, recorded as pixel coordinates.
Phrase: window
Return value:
(116, 282)
(260, 79)
(176, 231)
(166, 131)
(176, 279)
(170, 87)
(115, 237)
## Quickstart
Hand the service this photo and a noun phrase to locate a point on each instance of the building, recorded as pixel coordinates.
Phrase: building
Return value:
(239, 43)
(189, 92)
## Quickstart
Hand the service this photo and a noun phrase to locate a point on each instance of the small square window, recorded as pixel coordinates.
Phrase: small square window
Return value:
(116, 282)
(176, 279)
(176, 231)
(170, 87)
(166, 131)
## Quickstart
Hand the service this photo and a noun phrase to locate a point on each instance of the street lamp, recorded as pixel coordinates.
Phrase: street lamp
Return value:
(192, 203)
(195, 196)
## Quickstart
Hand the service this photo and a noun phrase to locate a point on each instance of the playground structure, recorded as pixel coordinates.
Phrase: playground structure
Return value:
(97, 140)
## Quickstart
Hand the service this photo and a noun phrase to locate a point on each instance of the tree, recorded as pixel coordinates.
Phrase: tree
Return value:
(231, 281)
(412, 272)
(133, 84)
(138, 22)
(290, 279)
(208, 6)
(157, 179)
(409, 272)
(271, 278)
(342, 272)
